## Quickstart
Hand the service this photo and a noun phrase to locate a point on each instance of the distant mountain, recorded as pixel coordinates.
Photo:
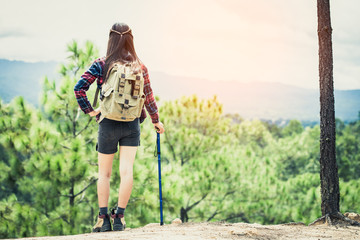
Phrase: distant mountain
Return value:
(23, 78)
(262, 100)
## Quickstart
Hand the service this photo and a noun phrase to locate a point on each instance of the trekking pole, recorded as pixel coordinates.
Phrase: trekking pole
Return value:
(159, 167)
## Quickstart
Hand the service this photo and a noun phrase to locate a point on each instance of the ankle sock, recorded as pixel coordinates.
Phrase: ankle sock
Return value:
(103, 210)
(120, 211)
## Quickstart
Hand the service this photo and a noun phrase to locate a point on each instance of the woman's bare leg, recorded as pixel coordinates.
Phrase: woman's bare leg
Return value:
(103, 184)
(127, 157)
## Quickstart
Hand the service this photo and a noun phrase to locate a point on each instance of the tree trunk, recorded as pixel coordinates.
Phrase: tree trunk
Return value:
(183, 215)
(71, 202)
(330, 194)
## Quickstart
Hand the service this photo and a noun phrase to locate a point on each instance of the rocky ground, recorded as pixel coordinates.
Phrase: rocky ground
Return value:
(222, 230)
(195, 231)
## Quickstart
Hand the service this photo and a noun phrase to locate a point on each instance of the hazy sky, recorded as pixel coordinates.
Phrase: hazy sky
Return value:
(242, 40)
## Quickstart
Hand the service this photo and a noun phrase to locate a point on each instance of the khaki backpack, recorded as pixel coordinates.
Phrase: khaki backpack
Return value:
(122, 94)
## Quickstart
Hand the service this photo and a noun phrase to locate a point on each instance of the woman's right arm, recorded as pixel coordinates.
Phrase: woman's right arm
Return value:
(150, 103)
(94, 72)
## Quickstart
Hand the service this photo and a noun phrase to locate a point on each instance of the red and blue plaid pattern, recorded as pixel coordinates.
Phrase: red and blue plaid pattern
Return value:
(96, 72)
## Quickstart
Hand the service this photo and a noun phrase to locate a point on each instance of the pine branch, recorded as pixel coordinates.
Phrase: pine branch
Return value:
(75, 195)
(86, 126)
(93, 181)
(238, 215)
(65, 147)
(170, 145)
(222, 200)
(196, 203)
(89, 141)
(212, 216)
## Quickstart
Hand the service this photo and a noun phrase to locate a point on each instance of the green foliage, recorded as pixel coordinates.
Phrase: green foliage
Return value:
(348, 151)
(13, 213)
(292, 128)
(49, 150)
(297, 153)
(214, 166)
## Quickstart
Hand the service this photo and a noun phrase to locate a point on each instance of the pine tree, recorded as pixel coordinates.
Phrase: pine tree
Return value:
(330, 192)
(68, 167)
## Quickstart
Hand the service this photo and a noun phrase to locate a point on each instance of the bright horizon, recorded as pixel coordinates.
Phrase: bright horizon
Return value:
(246, 41)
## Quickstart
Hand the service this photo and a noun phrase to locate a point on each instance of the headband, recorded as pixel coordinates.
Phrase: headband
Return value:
(121, 33)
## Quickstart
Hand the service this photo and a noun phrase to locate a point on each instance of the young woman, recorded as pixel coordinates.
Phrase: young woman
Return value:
(113, 133)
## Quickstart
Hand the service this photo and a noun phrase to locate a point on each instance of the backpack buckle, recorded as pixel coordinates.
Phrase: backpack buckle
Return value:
(122, 82)
(126, 103)
(136, 88)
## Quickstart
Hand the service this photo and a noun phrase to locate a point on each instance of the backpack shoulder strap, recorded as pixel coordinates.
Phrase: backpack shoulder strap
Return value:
(97, 88)
(96, 97)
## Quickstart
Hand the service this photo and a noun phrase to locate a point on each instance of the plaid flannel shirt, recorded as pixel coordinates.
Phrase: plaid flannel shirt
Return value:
(96, 72)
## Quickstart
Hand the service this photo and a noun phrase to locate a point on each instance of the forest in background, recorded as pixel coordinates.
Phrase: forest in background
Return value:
(215, 167)
(270, 101)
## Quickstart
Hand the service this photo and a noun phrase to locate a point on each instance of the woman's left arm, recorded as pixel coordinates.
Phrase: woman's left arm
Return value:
(83, 85)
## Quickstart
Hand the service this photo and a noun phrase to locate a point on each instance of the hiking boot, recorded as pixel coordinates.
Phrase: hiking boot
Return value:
(118, 221)
(103, 224)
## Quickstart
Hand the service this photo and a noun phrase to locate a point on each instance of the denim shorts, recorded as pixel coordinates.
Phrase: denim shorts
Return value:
(113, 133)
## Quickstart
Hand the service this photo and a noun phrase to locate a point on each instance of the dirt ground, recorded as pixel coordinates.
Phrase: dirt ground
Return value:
(195, 231)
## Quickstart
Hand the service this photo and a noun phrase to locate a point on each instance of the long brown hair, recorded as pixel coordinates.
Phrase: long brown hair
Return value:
(121, 48)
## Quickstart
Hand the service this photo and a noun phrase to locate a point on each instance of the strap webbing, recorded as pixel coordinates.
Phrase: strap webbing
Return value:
(96, 97)
(97, 88)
